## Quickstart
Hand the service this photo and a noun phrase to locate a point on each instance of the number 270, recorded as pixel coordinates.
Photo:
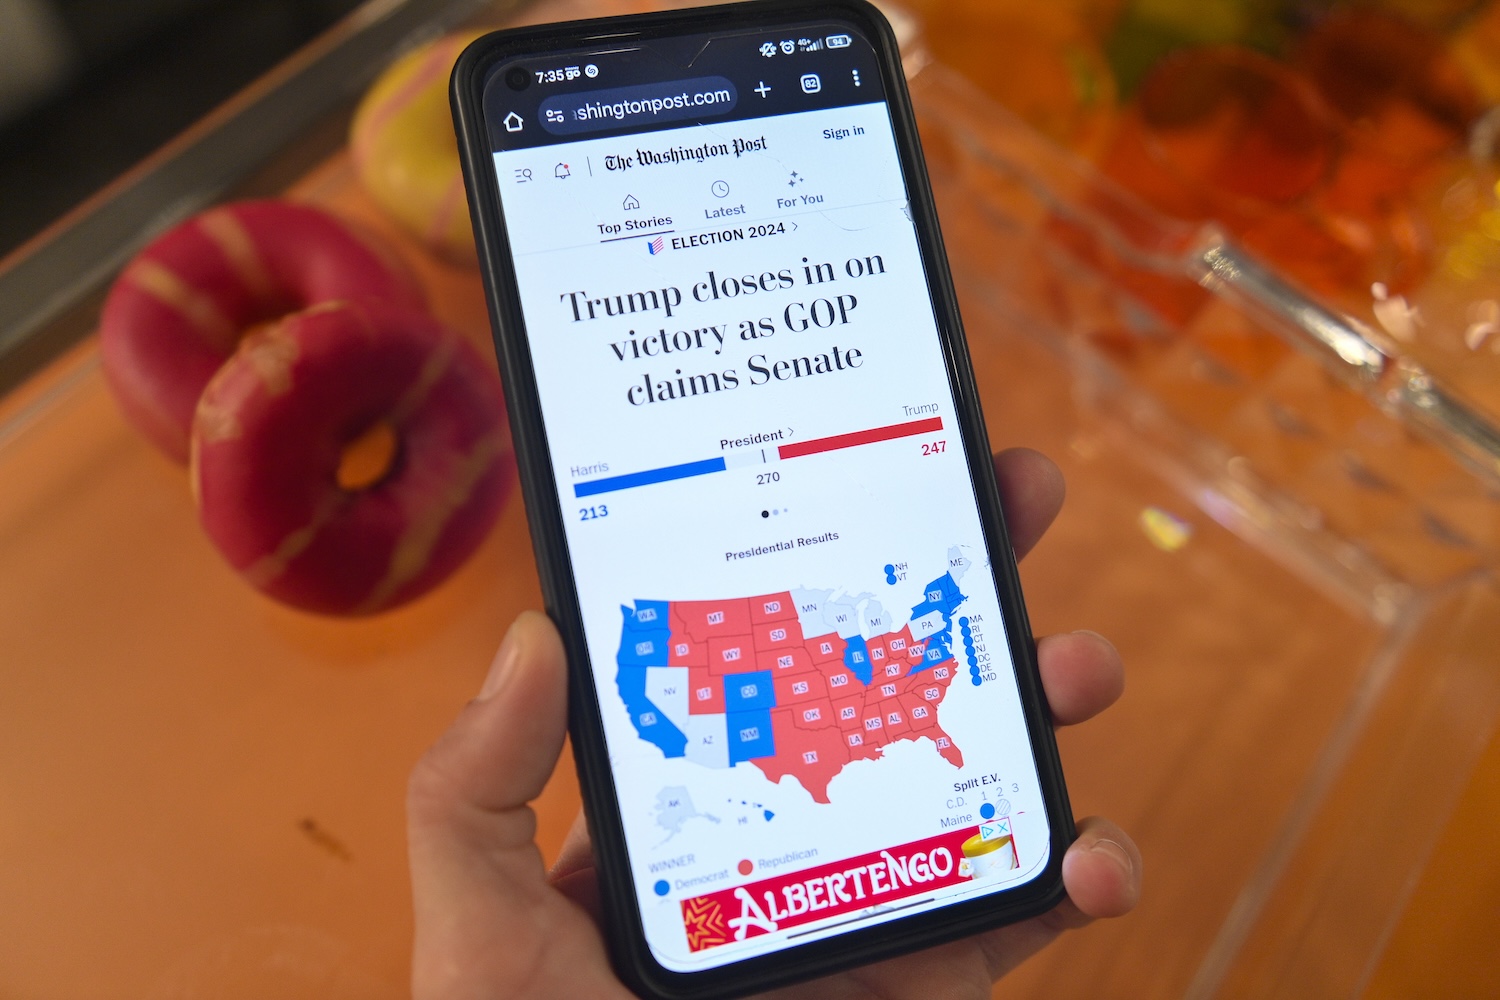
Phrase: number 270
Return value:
(934, 447)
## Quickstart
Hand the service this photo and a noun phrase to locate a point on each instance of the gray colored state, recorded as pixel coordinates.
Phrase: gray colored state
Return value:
(810, 605)
(674, 807)
(707, 740)
(877, 622)
(842, 615)
(667, 689)
(927, 624)
(958, 563)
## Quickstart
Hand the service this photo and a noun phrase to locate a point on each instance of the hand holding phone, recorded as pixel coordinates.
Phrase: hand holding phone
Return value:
(804, 700)
(491, 922)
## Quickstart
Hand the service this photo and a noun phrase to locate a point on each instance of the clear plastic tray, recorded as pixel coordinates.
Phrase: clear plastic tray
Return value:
(201, 791)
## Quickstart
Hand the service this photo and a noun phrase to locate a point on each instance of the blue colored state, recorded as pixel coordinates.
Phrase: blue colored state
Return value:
(857, 658)
(750, 735)
(643, 643)
(651, 723)
(750, 690)
(646, 636)
(944, 597)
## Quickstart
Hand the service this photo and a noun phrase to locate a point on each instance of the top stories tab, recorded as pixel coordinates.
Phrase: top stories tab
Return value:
(699, 186)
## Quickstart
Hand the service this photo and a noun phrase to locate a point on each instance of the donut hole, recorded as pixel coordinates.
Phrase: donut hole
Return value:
(368, 458)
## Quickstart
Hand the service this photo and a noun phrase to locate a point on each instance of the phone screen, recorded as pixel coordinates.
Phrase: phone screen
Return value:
(812, 718)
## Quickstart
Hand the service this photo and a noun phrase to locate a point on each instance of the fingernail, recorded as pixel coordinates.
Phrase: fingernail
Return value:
(501, 668)
(1096, 635)
(1115, 852)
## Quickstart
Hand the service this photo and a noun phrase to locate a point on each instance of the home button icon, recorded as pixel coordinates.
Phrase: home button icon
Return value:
(631, 203)
(514, 122)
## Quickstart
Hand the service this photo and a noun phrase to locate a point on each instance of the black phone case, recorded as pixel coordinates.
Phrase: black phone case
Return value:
(630, 954)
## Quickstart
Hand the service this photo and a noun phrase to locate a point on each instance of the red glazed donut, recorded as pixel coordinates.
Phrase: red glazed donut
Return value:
(281, 424)
(177, 311)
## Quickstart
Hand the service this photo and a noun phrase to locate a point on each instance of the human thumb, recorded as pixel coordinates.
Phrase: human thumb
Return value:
(474, 863)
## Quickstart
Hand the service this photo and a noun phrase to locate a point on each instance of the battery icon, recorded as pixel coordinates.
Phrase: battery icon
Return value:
(839, 41)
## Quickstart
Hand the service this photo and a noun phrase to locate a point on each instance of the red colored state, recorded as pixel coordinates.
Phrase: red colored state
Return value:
(849, 710)
(794, 688)
(772, 608)
(813, 756)
(777, 635)
(922, 714)
(927, 688)
(826, 647)
(730, 654)
(872, 724)
(843, 684)
(896, 727)
(860, 747)
(898, 645)
(942, 674)
(682, 651)
(817, 714)
(705, 692)
(704, 621)
(791, 660)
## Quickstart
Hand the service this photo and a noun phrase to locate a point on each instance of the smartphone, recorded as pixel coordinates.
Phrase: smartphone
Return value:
(804, 697)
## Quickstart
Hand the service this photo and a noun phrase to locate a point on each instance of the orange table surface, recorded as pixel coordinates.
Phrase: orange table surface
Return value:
(1444, 942)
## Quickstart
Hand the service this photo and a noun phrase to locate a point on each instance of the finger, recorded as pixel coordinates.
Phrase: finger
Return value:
(1102, 875)
(502, 748)
(1082, 675)
(573, 874)
(1031, 491)
(477, 875)
(577, 850)
(1102, 871)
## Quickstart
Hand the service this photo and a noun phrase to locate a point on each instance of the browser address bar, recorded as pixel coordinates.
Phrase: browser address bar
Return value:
(643, 104)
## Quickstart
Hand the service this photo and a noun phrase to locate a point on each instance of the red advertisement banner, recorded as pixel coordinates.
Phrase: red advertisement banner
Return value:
(847, 886)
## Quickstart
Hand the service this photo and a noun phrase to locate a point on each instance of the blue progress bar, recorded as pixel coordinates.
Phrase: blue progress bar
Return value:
(648, 477)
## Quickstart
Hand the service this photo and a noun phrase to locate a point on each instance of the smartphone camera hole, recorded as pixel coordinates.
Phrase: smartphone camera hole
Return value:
(518, 78)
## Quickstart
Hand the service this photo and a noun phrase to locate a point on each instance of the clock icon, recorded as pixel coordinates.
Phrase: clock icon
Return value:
(720, 189)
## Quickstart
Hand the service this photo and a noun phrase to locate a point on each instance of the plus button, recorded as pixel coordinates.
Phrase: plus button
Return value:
(763, 90)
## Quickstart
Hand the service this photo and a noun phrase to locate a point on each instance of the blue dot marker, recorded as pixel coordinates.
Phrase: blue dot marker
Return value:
(890, 569)
(987, 810)
(661, 887)
(978, 680)
(963, 623)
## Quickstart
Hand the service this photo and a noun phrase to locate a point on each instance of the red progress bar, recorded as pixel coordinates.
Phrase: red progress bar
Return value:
(860, 437)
